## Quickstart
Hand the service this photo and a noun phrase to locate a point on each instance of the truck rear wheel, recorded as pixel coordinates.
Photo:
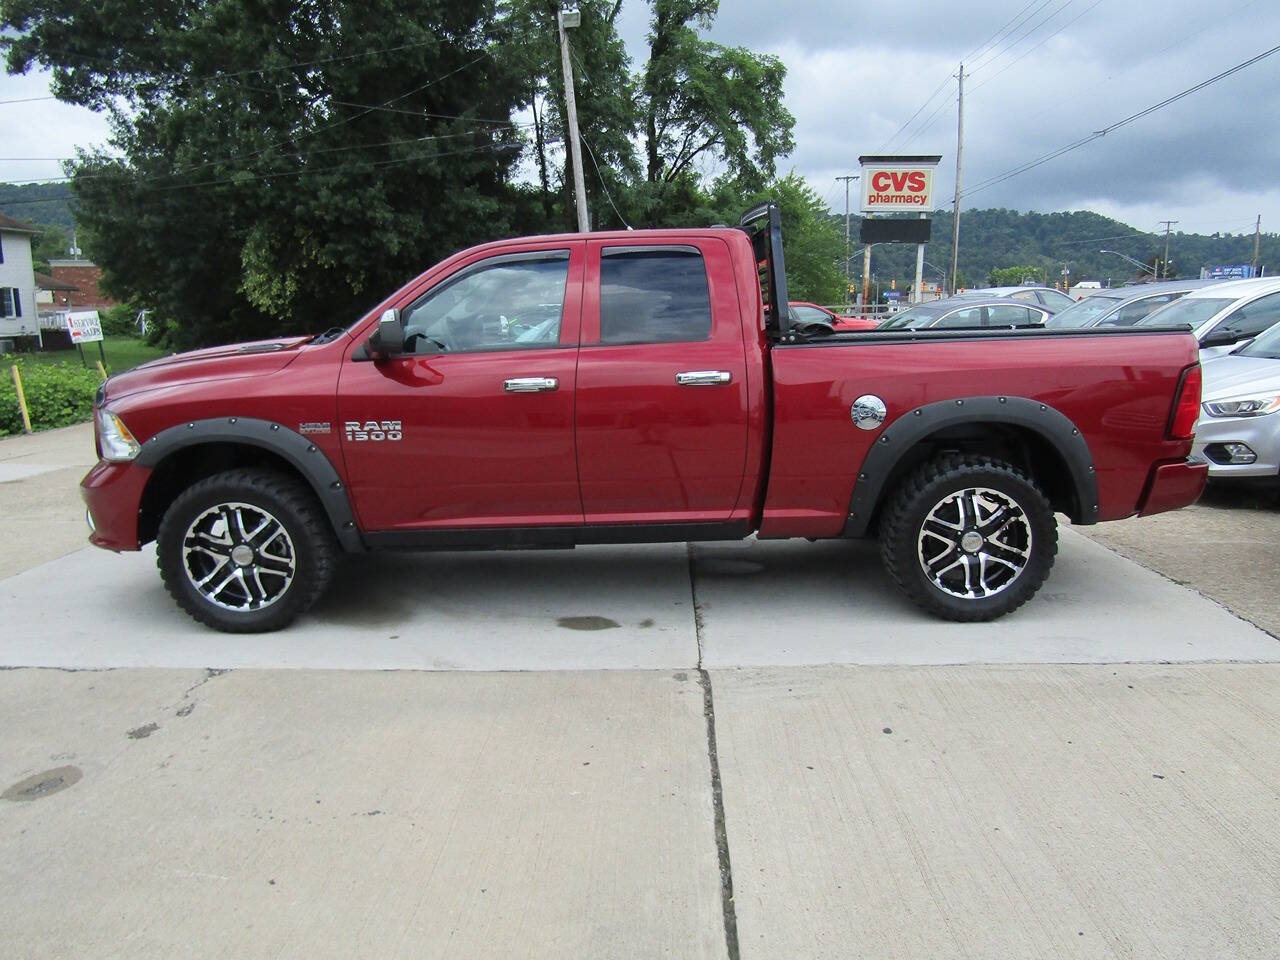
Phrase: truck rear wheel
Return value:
(968, 537)
(246, 551)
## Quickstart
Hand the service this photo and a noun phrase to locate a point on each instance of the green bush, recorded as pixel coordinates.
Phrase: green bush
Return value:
(58, 394)
(119, 321)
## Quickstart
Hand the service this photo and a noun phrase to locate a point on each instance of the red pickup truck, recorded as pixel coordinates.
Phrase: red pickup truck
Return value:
(633, 387)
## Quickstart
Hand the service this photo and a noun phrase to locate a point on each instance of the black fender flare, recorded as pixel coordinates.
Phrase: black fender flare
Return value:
(914, 425)
(305, 456)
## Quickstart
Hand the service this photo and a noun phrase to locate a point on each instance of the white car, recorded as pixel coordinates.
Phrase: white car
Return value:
(1223, 314)
(1047, 297)
(1238, 432)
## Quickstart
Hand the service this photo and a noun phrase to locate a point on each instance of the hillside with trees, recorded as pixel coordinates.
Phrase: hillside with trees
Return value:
(994, 239)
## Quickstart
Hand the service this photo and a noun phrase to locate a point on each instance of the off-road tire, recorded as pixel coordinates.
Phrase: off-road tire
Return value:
(315, 548)
(921, 492)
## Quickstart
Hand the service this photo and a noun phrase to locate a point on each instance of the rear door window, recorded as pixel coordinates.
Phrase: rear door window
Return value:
(658, 296)
(1007, 315)
(1253, 318)
(1131, 313)
(968, 317)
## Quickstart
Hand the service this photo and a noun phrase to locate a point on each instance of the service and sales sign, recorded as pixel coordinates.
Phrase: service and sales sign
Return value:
(891, 184)
(84, 326)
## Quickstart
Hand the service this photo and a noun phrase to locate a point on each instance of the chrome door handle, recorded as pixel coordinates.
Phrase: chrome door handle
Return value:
(703, 378)
(530, 384)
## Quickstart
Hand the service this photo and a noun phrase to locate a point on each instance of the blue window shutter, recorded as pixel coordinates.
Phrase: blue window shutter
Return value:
(17, 303)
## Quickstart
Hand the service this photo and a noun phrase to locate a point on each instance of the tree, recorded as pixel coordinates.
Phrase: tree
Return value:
(283, 165)
(605, 99)
(51, 243)
(812, 244)
(1016, 276)
(700, 100)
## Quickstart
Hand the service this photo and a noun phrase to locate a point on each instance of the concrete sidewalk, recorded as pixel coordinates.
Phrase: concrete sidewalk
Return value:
(41, 516)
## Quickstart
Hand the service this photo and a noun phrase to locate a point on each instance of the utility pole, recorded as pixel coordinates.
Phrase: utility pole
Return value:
(1257, 239)
(570, 16)
(1165, 268)
(866, 276)
(955, 207)
(847, 266)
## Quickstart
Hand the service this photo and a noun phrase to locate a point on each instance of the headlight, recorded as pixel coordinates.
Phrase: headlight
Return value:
(1244, 407)
(117, 442)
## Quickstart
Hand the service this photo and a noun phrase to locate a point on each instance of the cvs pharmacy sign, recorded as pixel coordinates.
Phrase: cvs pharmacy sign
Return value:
(897, 183)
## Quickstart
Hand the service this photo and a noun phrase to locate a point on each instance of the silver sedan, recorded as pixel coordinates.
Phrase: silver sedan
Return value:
(1238, 432)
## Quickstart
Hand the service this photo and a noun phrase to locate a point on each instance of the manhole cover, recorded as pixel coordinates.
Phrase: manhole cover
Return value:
(43, 784)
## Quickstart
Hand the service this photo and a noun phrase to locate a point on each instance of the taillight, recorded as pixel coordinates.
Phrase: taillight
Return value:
(1186, 406)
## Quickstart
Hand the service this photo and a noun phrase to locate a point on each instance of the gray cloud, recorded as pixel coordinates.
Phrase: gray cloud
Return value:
(857, 73)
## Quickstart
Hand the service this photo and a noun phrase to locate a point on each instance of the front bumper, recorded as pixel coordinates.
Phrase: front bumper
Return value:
(1173, 485)
(112, 492)
(1261, 434)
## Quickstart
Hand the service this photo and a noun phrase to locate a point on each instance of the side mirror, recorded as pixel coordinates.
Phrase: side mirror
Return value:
(388, 339)
(1222, 337)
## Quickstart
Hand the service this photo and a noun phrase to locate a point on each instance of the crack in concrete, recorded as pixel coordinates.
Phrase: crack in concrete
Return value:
(209, 674)
(727, 908)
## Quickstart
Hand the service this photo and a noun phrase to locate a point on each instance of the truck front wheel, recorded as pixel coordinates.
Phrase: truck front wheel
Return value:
(246, 551)
(968, 537)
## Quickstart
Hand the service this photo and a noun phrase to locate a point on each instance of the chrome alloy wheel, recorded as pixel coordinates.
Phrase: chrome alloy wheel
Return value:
(974, 543)
(239, 557)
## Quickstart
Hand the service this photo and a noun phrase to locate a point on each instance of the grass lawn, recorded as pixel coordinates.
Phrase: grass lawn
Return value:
(123, 353)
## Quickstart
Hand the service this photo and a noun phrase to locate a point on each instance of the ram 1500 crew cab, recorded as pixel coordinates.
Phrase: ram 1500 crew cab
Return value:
(632, 387)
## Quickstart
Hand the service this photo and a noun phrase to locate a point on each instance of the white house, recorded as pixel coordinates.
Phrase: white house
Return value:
(17, 280)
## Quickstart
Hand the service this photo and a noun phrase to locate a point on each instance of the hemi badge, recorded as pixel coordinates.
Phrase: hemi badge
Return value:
(313, 428)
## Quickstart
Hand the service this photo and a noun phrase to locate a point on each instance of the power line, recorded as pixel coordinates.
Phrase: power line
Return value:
(928, 100)
(1031, 50)
(1099, 134)
(603, 186)
(1028, 28)
(1119, 236)
(1199, 31)
(982, 47)
(932, 119)
(947, 79)
(295, 156)
(290, 173)
(115, 61)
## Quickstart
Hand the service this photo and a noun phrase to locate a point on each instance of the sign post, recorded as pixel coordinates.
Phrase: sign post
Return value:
(900, 184)
(85, 327)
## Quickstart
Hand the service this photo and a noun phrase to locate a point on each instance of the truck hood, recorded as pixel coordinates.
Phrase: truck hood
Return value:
(233, 361)
(1233, 376)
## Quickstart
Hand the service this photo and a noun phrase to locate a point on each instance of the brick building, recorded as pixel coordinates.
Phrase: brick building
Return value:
(83, 277)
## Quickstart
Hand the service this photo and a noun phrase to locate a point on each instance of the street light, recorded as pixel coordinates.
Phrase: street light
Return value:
(1136, 263)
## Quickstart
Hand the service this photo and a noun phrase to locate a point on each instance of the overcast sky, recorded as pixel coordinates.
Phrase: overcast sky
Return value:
(1040, 75)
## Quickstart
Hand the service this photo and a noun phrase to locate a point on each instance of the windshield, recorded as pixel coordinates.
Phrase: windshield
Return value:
(1265, 345)
(1192, 311)
(914, 317)
(1084, 313)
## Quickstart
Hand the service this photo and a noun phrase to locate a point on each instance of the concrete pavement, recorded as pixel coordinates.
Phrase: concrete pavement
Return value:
(376, 814)
(41, 517)
(419, 802)
(615, 607)
(1001, 812)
